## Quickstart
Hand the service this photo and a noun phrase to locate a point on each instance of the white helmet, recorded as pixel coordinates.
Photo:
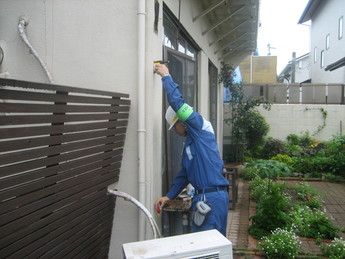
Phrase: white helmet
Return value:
(171, 117)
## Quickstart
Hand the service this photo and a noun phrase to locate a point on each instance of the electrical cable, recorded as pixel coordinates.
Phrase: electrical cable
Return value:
(127, 197)
(21, 27)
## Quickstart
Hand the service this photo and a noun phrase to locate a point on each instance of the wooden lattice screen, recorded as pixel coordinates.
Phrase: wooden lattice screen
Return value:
(60, 147)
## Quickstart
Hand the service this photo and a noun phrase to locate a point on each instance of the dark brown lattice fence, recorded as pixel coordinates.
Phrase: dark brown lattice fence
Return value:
(60, 147)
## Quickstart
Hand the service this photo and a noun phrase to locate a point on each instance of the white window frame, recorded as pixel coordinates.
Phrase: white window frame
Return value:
(322, 58)
(327, 41)
(340, 27)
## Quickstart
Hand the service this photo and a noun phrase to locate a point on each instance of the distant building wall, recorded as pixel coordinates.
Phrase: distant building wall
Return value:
(325, 23)
(286, 119)
(302, 69)
(255, 69)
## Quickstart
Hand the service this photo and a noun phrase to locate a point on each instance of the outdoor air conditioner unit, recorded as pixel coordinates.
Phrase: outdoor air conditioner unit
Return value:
(210, 244)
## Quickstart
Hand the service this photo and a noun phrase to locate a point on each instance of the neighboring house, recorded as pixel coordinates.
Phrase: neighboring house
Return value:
(327, 40)
(111, 45)
(300, 73)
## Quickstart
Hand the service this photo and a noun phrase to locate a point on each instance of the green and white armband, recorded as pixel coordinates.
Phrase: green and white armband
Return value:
(184, 112)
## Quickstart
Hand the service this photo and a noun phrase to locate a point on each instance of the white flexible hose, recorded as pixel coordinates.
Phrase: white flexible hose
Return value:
(127, 197)
(21, 27)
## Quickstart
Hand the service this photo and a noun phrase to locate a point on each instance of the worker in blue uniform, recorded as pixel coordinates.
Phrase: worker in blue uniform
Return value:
(201, 163)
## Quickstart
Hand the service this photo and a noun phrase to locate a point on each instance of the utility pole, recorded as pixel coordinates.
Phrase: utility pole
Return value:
(293, 67)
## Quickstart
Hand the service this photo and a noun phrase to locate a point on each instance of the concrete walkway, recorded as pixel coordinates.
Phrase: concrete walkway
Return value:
(238, 219)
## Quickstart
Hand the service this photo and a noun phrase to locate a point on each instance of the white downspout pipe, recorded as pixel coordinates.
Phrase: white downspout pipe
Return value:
(141, 111)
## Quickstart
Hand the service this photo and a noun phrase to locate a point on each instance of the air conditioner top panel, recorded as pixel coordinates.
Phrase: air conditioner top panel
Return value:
(181, 246)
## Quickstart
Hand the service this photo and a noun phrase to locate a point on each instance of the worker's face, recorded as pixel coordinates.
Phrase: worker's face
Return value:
(180, 129)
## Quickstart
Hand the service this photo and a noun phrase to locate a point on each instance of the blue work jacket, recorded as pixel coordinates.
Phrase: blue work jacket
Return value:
(201, 165)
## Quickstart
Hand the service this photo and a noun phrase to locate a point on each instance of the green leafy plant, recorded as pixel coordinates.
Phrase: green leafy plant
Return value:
(307, 195)
(293, 150)
(283, 159)
(293, 139)
(313, 223)
(314, 159)
(272, 148)
(259, 187)
(335, 151)
(270, 168)
(280, 244)
(335, 249)
(304, 166)
(249, 173)
(257, 129)
(271, 211)
(332, 177)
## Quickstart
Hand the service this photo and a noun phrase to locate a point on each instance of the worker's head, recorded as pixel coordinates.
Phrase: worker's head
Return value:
(175, 123)
(180, 128)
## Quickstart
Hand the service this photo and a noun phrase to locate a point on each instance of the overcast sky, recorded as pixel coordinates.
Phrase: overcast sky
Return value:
(278, 19)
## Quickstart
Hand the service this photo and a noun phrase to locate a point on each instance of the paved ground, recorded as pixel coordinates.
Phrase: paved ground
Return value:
(238, 219)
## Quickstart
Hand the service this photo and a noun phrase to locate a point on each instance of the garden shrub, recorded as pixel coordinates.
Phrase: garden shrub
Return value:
(306, 140)
(293, 150)
(332, 177)
(293, 139)
(271, 212)
(260, 187)
(280, 206)
(249, 173)
(270, 168)
(335, 151)
(280, 244)
(313, 223)
(304, 166)
(272, 148)
(335, 249)
(307, 195)
(283, 158)
(257, 129)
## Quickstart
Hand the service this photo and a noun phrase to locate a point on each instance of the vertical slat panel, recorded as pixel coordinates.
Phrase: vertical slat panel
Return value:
(60, 148)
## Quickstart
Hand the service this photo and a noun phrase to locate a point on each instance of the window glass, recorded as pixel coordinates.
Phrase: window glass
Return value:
(315, 55)
(322, 58)
(181, 46)
(175, 36)
(181, 52)
(190, 51)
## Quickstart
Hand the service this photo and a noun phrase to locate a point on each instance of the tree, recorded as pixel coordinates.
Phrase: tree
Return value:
(243, 114)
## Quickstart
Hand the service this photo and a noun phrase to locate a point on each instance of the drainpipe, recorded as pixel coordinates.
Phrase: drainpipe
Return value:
(141, 111)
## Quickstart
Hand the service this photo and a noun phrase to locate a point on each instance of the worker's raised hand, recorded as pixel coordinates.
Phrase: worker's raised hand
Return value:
(161, 70)
(159, 204)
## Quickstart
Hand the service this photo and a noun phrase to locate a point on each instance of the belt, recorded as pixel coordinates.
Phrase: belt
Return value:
(207, 190)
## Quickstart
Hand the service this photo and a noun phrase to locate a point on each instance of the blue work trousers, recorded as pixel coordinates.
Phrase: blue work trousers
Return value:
(217, 217)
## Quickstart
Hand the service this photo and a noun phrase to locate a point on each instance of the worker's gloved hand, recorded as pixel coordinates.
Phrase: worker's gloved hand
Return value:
(161, 70)
(159, 204)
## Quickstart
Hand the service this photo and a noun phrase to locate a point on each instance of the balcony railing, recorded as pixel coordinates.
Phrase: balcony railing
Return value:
(304, 93)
